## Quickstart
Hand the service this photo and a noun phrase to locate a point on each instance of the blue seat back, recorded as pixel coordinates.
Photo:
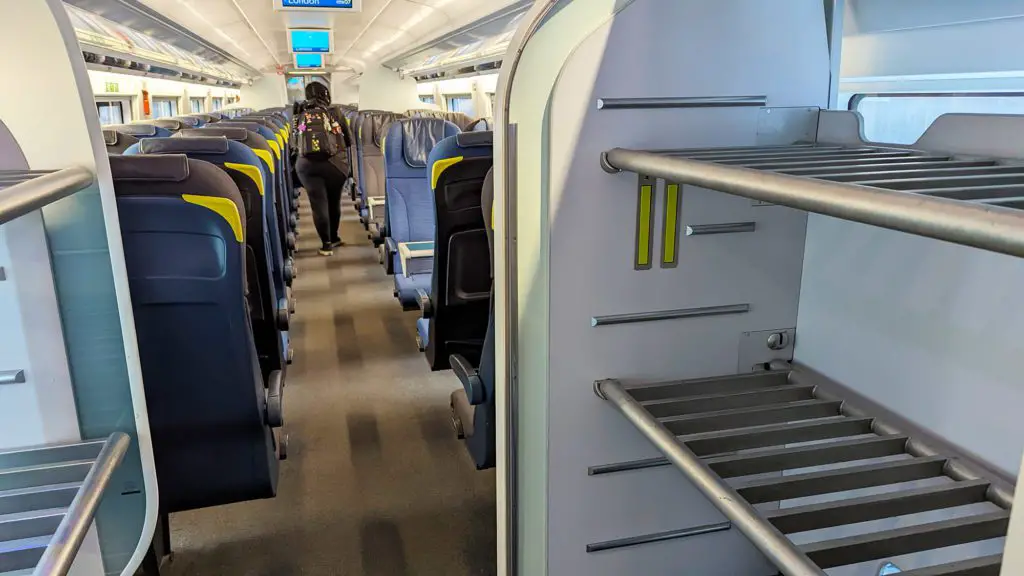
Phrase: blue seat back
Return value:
(461, 281)
(410, 204)
(184, 246)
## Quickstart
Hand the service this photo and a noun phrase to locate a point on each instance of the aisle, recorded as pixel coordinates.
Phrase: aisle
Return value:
(376, 482)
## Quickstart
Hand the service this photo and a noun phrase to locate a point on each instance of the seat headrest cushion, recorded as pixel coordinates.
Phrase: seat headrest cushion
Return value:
(474, 139)
(209, 145)
(155, 168)
(236, 134)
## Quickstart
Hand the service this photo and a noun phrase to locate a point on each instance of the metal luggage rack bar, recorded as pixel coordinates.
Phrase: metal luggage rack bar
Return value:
(969, 201)
(23, 191)
(722, 433)
(48, 499)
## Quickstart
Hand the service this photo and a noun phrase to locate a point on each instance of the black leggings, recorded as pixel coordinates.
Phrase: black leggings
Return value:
(323, 181)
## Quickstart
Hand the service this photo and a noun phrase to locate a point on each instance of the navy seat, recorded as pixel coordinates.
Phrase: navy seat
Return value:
(284, 264)
(455, 314)
(117, 142)
(281, 134)
(280, 188)
(211, 416)
(205, 117)
(269, 307)
(410, 204)
(140, 131)
(473, 406)
(371, 129)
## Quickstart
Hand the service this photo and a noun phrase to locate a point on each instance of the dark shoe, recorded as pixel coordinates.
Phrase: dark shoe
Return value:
(326, 250)
(336, 243)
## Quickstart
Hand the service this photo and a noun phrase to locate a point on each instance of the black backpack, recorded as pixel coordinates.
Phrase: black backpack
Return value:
(319, 134)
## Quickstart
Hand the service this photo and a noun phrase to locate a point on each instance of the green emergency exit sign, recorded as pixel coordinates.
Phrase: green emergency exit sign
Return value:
(111, 87)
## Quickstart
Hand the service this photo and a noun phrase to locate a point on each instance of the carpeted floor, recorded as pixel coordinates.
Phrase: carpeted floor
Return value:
(376, 482)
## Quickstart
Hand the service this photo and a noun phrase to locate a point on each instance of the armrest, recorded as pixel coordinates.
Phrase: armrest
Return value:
(425, 304)
(390, 248)
(390, 245)
(377, 201)
(470, 379)
(275, 407)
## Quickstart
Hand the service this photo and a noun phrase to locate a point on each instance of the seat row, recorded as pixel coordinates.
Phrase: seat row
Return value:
(208, 222)
(423, 191)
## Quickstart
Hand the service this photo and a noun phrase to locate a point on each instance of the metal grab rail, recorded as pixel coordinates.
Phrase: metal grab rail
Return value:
(66, 541)
(982, 226)
(33, 194)
(770, 541)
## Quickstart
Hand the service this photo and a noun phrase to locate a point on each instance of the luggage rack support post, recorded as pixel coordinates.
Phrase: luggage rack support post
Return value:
(772, 543)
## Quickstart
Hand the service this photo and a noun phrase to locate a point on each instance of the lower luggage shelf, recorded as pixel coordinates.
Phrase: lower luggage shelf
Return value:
(750, 441)
(48, 498)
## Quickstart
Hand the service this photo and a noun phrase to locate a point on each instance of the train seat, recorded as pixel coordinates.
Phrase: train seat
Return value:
(206, 117)
(473, 406)
(455, 313)
(211, 415)
(372, 132)
(283, 196)
(193, 121)
(284, 265)
(269, 307)
(117, 142)
(281, 133)
(410, 204)
(481, 125)
(140, 131)
(171, 124)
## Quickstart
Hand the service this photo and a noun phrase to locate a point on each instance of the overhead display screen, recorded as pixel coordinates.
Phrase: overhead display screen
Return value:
(307, 61)
(310, 41)
(325, 5)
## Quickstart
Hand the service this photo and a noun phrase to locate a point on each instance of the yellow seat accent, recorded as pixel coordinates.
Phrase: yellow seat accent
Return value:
(222, 206)
(249, 170)
(266, 157)
(275, 148)
(284, 134)
(280, 140)
(440, 166)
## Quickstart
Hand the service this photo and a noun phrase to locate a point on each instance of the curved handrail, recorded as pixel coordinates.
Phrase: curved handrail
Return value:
(63, 548)
(31, 195)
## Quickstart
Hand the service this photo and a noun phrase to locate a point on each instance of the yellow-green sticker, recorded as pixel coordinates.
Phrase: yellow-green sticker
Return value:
(644, 223)
(670, 226)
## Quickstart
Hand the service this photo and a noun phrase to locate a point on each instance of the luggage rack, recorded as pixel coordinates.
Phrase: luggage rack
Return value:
(48, 498)
(723, 432)
(964, 200)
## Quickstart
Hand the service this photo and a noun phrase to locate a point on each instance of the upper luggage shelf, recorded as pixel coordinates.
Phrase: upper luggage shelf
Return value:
(964, 200)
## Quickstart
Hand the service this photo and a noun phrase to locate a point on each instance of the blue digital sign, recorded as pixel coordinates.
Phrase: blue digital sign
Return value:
(314, 4)
(309, 60)
(310, 41)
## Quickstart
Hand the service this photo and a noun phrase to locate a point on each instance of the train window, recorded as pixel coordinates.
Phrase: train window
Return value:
(197, 105)
(427, 99)
(165, 107)
(461, 103)
(218, 103)
(903, 118)
(110, 113)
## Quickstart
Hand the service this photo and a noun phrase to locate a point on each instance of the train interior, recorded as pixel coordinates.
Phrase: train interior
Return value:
(619, 286)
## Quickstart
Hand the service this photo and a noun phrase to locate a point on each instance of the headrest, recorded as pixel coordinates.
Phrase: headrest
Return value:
(378, 126)
(134, 129)
(479, 125)
(231, 133)
(192, 121)
(248, 125)
(459, 119)
(156, 168)
(419, 136)
(474, 139)
(169, 123)
(208, 145)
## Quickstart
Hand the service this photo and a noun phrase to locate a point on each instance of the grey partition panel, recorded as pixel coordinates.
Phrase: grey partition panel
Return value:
(592, 246)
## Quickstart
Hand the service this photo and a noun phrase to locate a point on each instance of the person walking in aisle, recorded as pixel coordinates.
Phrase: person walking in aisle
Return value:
(322, 164)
